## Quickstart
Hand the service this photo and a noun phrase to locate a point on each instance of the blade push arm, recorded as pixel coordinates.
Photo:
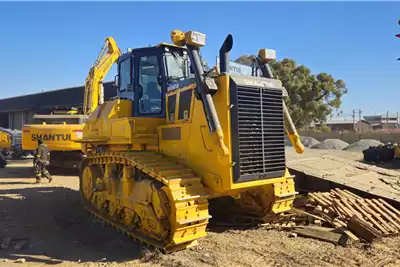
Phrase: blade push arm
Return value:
(289, 125)
(93, 85)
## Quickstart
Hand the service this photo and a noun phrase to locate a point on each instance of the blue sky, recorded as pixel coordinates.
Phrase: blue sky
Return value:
(51, 45)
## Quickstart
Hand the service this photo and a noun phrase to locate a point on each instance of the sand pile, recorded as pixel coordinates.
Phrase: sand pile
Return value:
(307, 141)
(331, 144)
(361, 145)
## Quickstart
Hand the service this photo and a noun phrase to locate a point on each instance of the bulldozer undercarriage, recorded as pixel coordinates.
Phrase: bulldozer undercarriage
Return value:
(154, 199)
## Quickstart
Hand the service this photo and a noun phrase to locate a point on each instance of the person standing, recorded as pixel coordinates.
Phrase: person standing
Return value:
(41, 161)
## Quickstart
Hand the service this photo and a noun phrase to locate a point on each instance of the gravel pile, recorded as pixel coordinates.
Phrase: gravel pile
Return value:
(307, 141)
(331, 144)
(361, 145)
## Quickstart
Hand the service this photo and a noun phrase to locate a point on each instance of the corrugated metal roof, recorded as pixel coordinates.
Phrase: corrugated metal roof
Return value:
(62, 97)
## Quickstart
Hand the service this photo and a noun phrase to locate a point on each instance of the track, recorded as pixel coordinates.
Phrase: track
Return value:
(169, 209)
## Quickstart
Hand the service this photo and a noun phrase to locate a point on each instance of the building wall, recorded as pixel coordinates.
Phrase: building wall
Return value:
(341, 127)
(4, 120)
(18, 111)
(362, 126)
(18, 120)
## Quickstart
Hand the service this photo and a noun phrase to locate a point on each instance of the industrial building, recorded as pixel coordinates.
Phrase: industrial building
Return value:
(348, 126)
(382, 122)
(18, 111)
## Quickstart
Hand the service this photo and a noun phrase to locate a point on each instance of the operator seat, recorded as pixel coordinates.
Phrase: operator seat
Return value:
(150, 98)
(152, 90)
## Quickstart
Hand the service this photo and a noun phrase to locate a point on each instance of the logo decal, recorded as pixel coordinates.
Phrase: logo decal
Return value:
(51, 137)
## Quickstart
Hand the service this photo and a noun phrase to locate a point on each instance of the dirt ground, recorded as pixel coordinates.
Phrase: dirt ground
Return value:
(59, 232)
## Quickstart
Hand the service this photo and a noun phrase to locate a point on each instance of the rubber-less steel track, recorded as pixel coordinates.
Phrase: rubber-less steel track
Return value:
(186, 202)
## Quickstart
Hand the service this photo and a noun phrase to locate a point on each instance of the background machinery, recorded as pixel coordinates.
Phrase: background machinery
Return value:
(11, 144)
(178, 136)
(61, 128)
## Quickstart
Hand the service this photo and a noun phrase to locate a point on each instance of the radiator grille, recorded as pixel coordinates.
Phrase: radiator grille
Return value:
(261, 150)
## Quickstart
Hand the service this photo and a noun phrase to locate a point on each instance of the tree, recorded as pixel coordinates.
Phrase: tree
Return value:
(312, 97)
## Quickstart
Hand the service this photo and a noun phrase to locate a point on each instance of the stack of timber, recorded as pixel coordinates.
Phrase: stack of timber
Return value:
(369, 219)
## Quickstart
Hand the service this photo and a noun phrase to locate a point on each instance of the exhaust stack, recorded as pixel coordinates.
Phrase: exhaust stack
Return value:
(224, 54)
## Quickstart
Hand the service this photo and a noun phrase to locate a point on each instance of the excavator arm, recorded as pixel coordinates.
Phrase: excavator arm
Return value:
(93, 86)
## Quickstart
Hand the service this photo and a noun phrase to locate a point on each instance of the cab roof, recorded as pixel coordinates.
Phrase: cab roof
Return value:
(143, 49)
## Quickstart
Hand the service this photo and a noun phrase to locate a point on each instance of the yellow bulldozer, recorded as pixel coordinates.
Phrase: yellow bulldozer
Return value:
(178, 136)
(61, 128)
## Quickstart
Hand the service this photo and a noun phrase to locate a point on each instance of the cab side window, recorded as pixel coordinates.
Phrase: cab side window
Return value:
(125, 75)
(150, 100)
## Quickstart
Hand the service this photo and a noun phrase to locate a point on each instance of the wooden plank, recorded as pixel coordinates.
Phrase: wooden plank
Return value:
(301, 212)
(324, 198)
(397, 218)
(338, 223)
(348, 212)
(383, 213)
(319, 228)
(347, 204)
(363, 230)
(327, 236)
(351, 194)
(368, 216)
(377, 216)
(324, 216)
(339, 211)
(345, 193)
(318, 200)
(335, 194)
(389, 206)
(341, 193)
(327, 194)
(347, 232)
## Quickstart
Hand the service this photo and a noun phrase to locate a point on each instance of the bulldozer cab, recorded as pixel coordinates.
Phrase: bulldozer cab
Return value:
(145, 74)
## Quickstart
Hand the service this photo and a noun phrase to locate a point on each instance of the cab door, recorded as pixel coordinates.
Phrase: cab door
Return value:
(149, 85)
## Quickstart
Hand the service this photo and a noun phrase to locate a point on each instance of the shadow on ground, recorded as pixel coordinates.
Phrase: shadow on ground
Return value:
(24, 169)
(57, 228)
(391, 165)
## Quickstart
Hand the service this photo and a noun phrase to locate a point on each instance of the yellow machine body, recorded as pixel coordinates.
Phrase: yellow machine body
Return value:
(152, 177)
(59, 132)
(5, 140)
(58, 137)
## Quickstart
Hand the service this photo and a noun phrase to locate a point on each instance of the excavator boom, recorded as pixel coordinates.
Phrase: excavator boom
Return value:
(93, 86)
